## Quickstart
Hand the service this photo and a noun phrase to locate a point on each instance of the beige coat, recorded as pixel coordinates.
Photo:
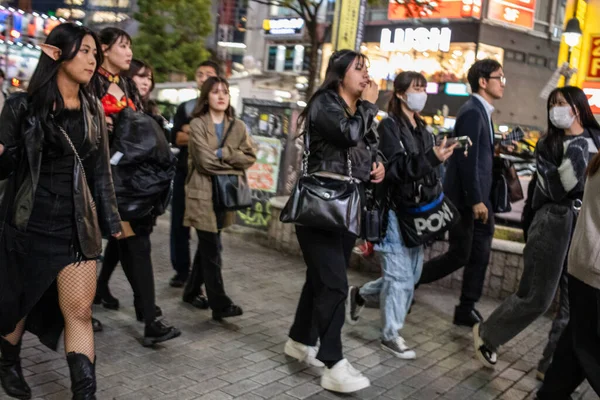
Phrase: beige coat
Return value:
(238, 156)
(584, 256)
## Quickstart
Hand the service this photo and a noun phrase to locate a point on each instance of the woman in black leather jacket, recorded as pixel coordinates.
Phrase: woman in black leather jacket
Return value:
(119, 95)
(339, 119)
(57, 190)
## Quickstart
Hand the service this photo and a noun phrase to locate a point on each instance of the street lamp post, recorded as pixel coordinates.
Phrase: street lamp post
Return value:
(572, 35)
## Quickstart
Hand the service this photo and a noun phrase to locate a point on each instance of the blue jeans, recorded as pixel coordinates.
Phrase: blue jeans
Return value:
(401, 269)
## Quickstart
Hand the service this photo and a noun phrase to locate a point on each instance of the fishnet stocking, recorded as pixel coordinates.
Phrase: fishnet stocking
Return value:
(15, 337)
(76, 290)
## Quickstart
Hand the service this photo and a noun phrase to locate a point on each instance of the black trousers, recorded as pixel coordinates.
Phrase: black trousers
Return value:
(321, 309)
(470, 243)
(110, 260)
(180, 235)
(207, 269)
(135, 256)
(577, 355)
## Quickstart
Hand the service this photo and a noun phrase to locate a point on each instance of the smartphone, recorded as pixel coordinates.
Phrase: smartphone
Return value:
(463, 141)
(516, 135)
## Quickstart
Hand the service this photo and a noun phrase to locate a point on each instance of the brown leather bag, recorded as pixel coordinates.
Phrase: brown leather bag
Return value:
(507, 169)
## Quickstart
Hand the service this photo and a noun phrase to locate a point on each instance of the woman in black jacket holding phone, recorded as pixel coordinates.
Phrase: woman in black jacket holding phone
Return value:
(412, 181)
(339, 119)
(131, 161)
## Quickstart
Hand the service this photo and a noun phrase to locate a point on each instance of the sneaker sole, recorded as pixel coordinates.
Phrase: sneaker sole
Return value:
(480, 357)
(399, 355)
(291, 351)
(540, 376)
(333, 386)
(149, 342)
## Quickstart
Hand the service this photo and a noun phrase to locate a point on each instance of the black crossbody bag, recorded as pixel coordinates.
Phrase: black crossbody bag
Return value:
(231, 192)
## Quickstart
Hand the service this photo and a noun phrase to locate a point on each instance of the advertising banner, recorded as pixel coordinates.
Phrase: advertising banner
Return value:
(439, 9)
(514, 12)
(263, 175)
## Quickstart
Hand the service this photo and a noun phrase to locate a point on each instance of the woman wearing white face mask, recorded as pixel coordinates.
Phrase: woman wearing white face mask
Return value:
(562, 157)
(412, 181)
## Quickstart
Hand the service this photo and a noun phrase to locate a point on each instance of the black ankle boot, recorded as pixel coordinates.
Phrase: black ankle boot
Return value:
(11, 375)
(158, 332)
(104, 297)
(83, 376)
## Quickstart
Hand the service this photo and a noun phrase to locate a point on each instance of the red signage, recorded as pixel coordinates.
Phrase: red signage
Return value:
(444, 9)
(515, 12)
(592, 91)
(593, 72)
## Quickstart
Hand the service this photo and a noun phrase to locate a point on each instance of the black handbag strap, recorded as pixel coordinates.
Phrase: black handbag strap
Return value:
(229, 129)
(306, 139)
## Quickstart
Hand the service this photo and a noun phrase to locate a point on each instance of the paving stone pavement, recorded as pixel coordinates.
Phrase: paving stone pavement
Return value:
(243, 358)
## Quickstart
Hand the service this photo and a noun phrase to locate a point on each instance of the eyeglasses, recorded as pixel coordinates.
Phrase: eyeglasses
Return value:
(501, 78)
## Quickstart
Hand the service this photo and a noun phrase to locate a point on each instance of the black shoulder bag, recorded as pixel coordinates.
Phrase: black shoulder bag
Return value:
(324, 202)
(231, 192)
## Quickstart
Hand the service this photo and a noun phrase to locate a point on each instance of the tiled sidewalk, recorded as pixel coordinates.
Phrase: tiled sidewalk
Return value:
(243, 359)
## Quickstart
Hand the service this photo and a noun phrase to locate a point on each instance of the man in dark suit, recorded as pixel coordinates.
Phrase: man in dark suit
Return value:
(468, 184)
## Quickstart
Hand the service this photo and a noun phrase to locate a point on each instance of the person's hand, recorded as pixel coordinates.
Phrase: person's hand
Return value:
(443, 152)
(371, 92)
(480, 211)
(116, 235)
(1, 149)
(378, 172)
(511, 147)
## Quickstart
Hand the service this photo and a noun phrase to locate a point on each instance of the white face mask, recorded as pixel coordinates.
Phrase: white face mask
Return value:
(562, 117)
(416, 101)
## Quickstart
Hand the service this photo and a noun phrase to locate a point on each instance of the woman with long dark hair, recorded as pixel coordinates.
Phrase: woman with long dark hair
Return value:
(339, 119)
(577, 354)
(57, 195)
(117, 94)
(412, 181)
(141, 75)
(562, 157)
(219, 145)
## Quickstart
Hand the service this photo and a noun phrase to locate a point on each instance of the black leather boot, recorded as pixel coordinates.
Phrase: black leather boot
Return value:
(11, 374)
(158, 332)
(83, 376)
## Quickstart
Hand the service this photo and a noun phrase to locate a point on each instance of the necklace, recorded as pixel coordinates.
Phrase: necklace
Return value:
(111, 78)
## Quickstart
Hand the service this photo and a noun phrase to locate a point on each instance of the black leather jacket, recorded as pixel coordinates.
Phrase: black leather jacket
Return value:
(412, 176)
(333, 133)
(22, 136)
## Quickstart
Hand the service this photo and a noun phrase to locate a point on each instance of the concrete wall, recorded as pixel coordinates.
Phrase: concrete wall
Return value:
(521, 103)
(503, 273)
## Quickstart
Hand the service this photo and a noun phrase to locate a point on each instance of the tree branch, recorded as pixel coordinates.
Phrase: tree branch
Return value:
(281, 4)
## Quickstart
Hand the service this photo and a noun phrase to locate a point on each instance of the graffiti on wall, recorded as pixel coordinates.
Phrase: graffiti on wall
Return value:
(269, 127)
(259, 215)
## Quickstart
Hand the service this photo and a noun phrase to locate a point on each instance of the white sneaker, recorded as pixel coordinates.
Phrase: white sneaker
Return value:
(303, 353)
(344, 378)
(398, 348)
(486, 356)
